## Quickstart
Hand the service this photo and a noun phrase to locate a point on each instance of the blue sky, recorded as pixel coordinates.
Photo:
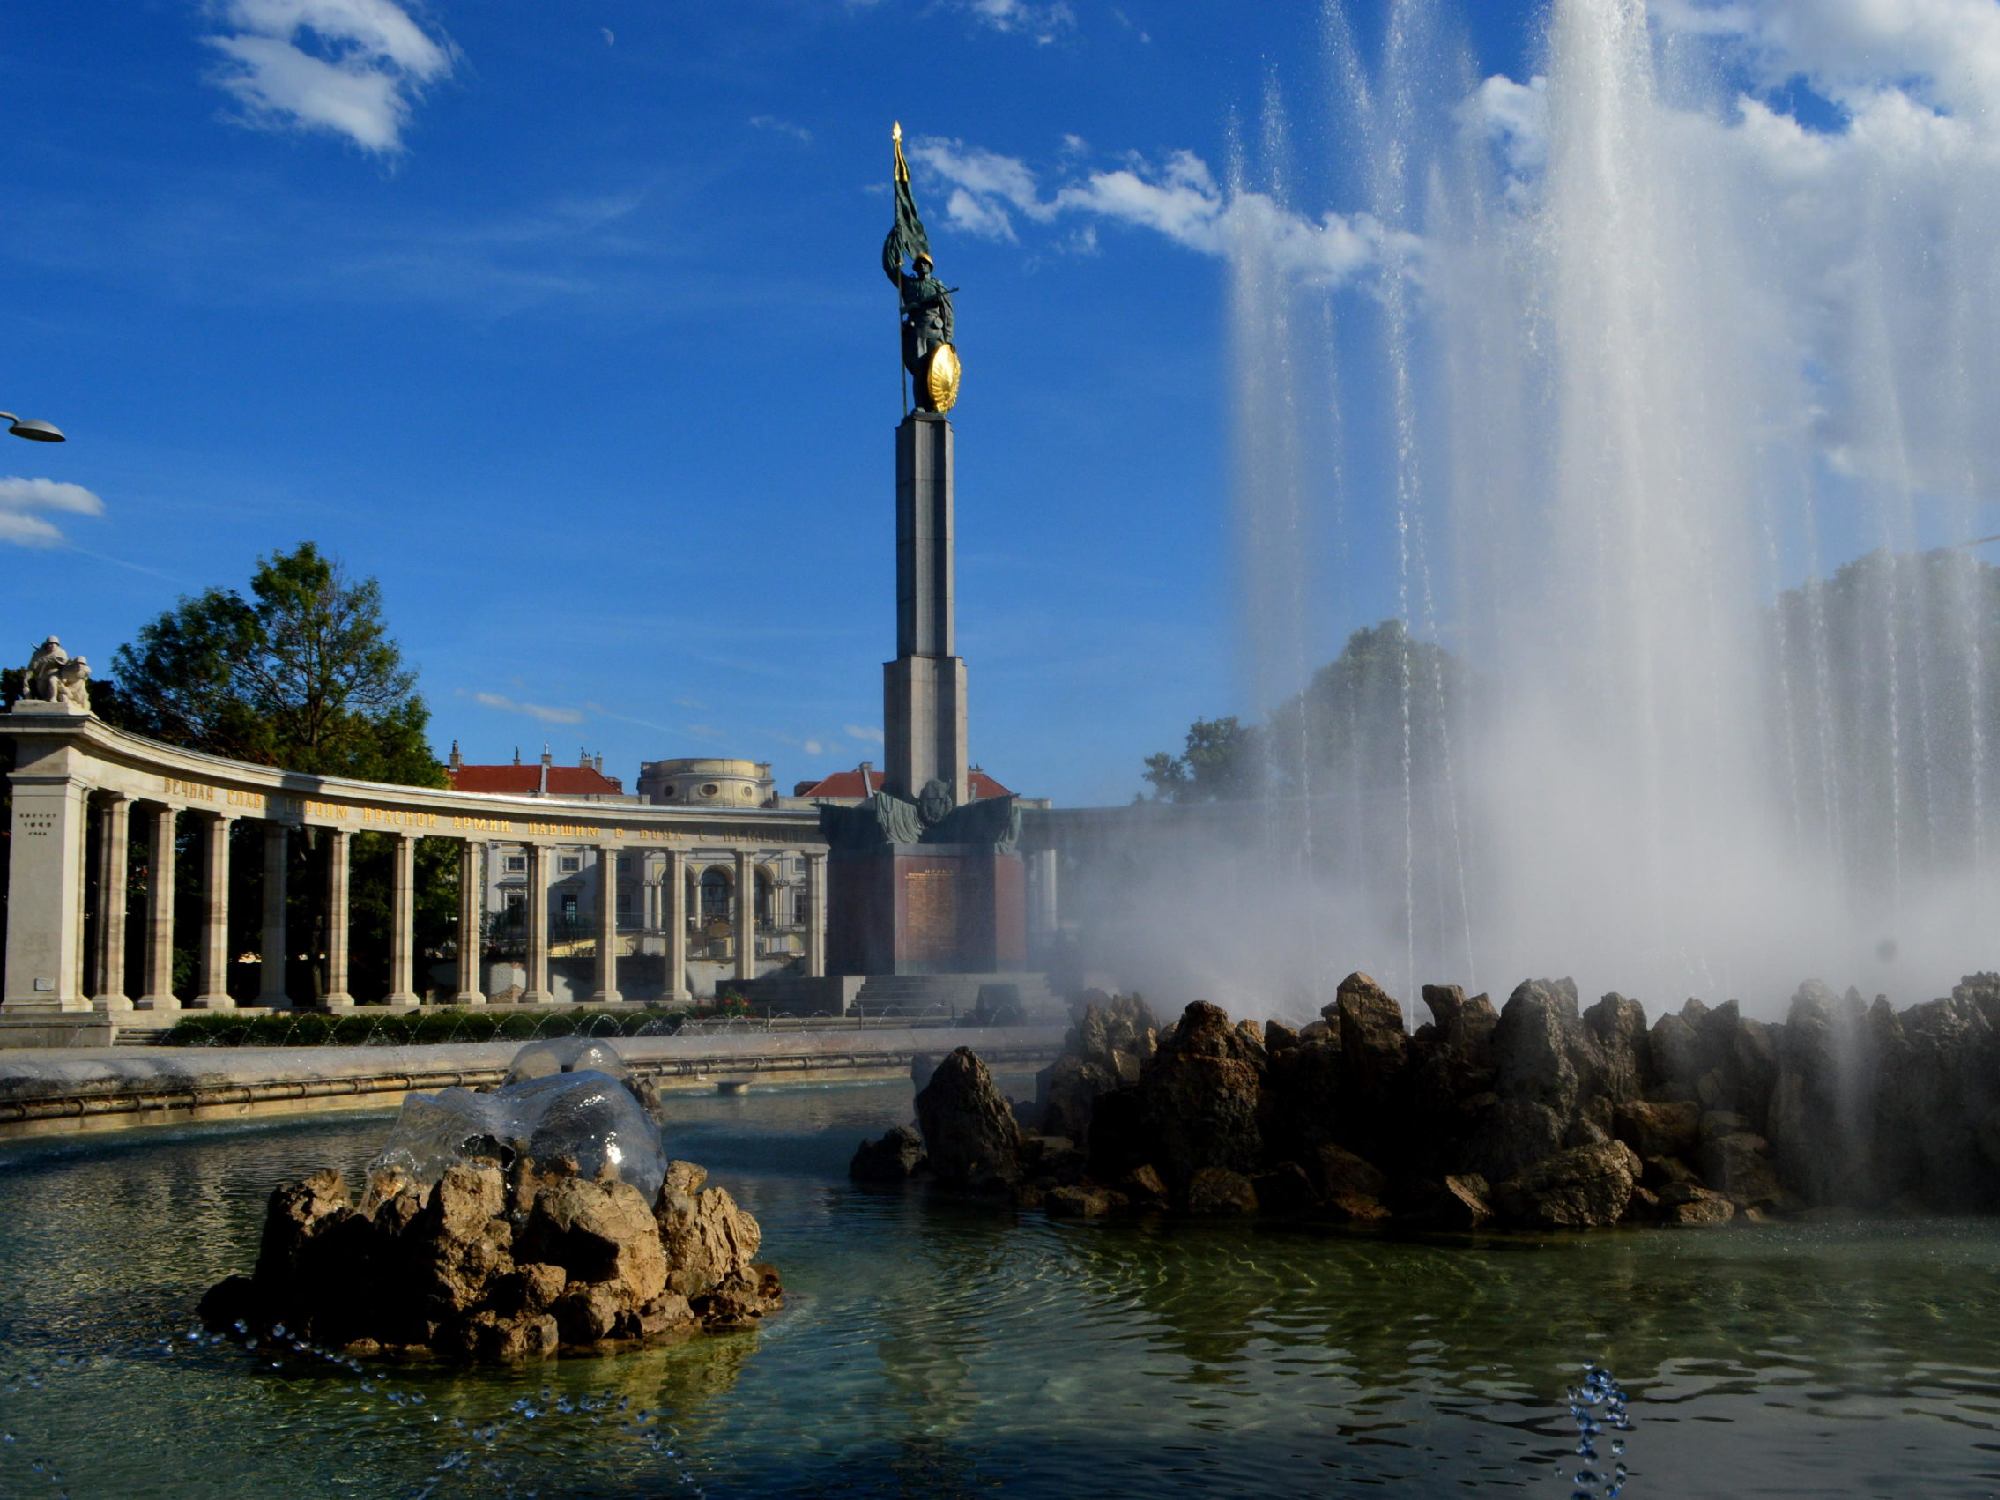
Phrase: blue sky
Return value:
(565, 322)
(572, 335)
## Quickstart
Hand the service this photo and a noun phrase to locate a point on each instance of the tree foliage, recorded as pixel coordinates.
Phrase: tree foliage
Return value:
(1347, 725)
(300, 673)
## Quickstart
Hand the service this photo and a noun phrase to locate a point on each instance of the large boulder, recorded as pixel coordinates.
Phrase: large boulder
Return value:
(1374, 1048)
(1616, 1053)
(896, 1157)
(1585, 1187)
(1669, 1128)
(1822, 1103)
(1105, 1049)
(1534, 1046)
(597, 1232)
(708, 1240)
(970, 1134)
(1201, 1091)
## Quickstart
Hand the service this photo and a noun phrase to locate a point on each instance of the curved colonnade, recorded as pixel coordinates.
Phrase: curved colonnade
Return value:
(72, 768)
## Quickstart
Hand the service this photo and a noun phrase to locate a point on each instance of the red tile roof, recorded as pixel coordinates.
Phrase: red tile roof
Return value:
(526, 781)
(866, 782)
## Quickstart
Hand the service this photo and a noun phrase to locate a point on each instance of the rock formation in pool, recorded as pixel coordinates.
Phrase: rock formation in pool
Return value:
(539, 1218)
(1539, 1116)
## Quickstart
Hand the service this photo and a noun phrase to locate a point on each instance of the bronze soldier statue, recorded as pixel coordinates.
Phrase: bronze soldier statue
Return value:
(928, 352)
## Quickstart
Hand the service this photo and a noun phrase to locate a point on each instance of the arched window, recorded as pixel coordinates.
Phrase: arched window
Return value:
(715, 888)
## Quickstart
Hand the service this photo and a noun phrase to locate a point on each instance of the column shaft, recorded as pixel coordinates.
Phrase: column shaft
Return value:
(402, 922)
(471, 923)
(160, 915)
(816, 914)
(607, 926)
(673, 889)
(746, 914)
(537, 990)
(337, 995)
(214, 985)
(277, 862)
(114, 857)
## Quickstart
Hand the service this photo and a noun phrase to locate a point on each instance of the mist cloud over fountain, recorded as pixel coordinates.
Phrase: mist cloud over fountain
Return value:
(1666, 374)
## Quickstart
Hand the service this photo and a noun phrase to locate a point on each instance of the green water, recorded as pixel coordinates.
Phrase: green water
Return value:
(941, 1351)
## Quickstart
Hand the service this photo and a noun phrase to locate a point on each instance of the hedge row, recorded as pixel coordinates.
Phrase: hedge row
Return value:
(448, 1024)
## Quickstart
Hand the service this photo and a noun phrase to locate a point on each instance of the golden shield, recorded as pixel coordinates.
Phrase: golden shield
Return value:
(941, 375)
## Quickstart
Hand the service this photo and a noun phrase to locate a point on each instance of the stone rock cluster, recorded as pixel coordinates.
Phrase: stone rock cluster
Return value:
(537, 1218)
(500, 1263)
(1541, 1115)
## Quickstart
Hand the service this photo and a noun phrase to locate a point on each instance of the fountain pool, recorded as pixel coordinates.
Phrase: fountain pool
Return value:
(944, 1349)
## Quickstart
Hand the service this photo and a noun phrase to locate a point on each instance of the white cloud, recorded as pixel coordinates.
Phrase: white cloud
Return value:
(1515, 118)
(864, 733)
(1946, 52)
(610, 36)
(540, 711)
(20, 498)
(814, 747)
(351, 67)
(781, 127)
(1042, 23)
(1179, 199)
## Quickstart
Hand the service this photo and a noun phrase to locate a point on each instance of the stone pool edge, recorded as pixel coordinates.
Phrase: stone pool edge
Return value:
(47, 1092)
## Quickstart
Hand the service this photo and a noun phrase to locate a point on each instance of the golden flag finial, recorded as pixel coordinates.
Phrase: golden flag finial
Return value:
(896, 132)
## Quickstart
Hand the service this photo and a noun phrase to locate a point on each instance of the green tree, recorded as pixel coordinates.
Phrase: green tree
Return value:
(1343, 730)
(302, 674)
(1222, 760)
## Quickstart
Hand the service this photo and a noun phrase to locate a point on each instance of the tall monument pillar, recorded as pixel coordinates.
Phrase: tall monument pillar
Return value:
(923, 689)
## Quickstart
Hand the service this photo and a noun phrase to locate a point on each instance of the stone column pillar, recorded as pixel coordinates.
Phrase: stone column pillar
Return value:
(1048, 911)
(213, 987)
(277, 860)
(159, 993)
(471, 923)
(649, 882)
(338, 996)
(537, 990)
(673, 890)
(45, 894)
(114, 856)
(816, 915)
(607, 926)
(746, 914)
(402, 922)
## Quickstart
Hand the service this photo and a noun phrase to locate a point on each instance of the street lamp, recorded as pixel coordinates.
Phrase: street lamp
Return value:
(29, 428)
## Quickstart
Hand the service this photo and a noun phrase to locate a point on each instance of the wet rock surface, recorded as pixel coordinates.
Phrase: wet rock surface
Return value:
(467, 1245)
(1540, 1115)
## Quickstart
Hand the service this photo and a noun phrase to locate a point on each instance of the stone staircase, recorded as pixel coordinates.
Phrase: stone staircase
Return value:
(957, 995)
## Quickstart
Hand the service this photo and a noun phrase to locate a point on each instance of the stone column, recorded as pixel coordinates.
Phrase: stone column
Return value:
(45, 894)
(649, 882)
(160, 915)
(277, 857)
(1047, 910)
(471, 923)
(816, 915)
(337, 994)
(924, 688)
(537, 989)
(402, 923)
(607, 926)
(746, 914)
(213, 988)
(114, 856)
(673, 890)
